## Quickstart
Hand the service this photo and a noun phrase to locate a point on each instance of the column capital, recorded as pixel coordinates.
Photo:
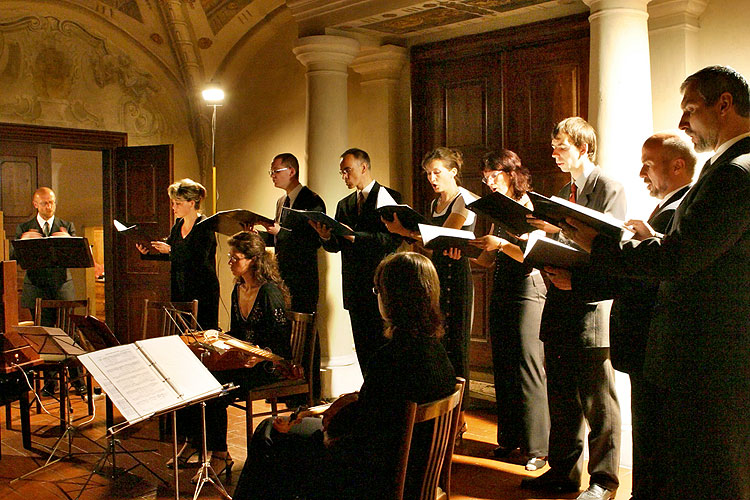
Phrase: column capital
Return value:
(326, 52)
(380, 63)
(604, 5)
(675, 13)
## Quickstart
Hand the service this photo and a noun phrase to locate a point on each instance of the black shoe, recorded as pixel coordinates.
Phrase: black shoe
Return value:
(550, 482)
(79, 389)
(503, 451)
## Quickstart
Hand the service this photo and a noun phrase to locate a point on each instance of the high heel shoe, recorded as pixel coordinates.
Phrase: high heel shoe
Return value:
(220, 465)
(183, 456)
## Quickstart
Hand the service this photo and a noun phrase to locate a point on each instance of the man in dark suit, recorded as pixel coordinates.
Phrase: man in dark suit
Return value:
(575, 332)
(362, 252)
(52, 283)
(297, 250)
(698, 348)
(668, 163)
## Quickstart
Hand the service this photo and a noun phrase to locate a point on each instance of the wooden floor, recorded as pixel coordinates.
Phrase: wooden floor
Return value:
(474, 475)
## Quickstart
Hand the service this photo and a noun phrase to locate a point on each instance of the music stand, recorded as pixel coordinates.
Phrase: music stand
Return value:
(53, 344)
(54, 251)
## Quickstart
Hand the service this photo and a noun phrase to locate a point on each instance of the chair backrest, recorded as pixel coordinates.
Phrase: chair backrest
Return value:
(171, 317)
(444, 414)
(303, 339)
(63, 309)
(94, 333)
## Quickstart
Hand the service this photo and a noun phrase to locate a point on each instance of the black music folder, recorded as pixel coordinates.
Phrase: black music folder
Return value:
(542, 251)
(387, 206)
(135, 232)
(53, 251)
(439, 238)
(229, 222)
(554, 210)
(292, 217)
(505, 211)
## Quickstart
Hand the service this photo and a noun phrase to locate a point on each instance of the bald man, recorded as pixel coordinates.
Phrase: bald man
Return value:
(54, 283)
(668, 162)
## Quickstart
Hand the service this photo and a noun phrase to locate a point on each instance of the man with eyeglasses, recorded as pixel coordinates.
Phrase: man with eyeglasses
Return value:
(362, 252)
(50, 283)
(296, 251)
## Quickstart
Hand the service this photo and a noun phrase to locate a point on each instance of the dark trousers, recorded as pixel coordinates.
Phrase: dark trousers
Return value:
(367, 330)
(649, 428)
(707, 443)
(580, 389)
(518, 366)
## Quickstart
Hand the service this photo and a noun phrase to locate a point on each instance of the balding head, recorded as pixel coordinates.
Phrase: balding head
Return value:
(44, 201)
(668, 163)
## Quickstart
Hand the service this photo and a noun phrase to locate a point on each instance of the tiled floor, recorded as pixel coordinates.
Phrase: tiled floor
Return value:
(474, 475)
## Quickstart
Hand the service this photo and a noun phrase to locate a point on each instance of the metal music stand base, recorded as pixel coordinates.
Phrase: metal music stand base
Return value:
(207, 474)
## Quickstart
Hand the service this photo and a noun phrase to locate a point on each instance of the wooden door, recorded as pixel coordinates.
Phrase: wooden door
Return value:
(137, 195)
(505, 89)
(23, 168)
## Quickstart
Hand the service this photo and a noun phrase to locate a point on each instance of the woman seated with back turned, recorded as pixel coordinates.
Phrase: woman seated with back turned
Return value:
(347, 454)
(260, 302)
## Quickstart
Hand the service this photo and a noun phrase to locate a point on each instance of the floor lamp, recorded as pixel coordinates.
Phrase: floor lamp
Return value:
(213, 96)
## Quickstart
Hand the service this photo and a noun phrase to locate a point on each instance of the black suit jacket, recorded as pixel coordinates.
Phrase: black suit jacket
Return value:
(700, 332)
(372, 242)
(48, 283)
(297, 255)
(634, 299)
(569, 318)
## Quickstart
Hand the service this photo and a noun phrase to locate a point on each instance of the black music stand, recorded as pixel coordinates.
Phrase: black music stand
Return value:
(54, 251)
(53, 344)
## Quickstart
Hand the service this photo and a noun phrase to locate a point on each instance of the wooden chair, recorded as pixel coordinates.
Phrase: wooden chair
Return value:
(444, 413)
(171, 317)
(62, 311)
(303, 347)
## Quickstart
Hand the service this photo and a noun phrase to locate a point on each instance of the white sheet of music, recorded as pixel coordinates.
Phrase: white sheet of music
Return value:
(150, 376)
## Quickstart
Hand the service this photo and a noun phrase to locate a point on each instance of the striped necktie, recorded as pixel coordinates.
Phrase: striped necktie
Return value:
(573, 192)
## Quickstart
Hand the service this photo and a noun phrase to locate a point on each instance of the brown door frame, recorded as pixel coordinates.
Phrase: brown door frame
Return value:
(87, 140)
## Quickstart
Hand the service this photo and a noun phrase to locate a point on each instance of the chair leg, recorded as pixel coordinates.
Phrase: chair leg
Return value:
(90, 393)
(248, 422)
(37, 390)
(63, 397)
(274, 407)
(25, 409)
(7, 416)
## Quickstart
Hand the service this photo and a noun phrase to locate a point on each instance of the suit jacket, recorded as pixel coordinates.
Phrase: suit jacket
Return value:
(48, 283)
(569, 318)
(297, 254)
(633, 306)
(373, 241)
(700, 331)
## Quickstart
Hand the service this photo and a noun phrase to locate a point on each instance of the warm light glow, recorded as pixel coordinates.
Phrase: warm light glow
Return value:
(213, 95)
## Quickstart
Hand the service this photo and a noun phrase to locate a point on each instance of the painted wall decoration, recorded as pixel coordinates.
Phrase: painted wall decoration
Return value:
(129, 7)
(220, 12)
(56, 72)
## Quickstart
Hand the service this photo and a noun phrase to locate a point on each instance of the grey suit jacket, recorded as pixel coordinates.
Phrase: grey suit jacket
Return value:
(569, 319)
(700, 333)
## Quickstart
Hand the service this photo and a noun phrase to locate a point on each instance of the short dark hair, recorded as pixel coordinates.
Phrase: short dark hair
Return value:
(712, 81)
(288, 160)
(508, 161)
(359, 155)
(580, 132)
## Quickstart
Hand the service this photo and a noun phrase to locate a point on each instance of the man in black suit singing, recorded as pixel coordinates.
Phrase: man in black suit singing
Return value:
(575, 332)
(668, 162)
(52, 283)
(362, 252)
(698, 349)
(297, 250)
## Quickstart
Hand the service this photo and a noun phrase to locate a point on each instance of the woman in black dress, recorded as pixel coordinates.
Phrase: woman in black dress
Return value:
(443, 169)
(516, 304)
(346, 454)
(191, 250)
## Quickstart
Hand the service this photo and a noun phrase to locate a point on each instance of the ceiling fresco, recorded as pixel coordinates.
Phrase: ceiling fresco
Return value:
(220, 12)
(129, 7)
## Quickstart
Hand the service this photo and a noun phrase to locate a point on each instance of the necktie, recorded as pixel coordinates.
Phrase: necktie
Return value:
(656, 210)
(286, 202)
(573, 192)
(281, 210)
(46, 228)
(360, 202)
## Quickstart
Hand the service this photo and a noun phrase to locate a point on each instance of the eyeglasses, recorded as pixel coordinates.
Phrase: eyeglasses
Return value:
(493, 177)
(271, 171)
(375, 290)
(234, 258)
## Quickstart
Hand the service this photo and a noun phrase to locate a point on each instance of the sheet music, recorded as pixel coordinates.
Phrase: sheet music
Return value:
(431, 232)
(150, 376)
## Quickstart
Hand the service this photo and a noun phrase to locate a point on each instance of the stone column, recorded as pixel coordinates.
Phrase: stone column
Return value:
(620, 92)
(673, 32)
(327, 60)
(382, 134)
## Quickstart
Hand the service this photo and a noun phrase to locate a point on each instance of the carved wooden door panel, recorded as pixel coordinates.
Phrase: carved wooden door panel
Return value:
(497, 90)
(138, 195)
(23, 168)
